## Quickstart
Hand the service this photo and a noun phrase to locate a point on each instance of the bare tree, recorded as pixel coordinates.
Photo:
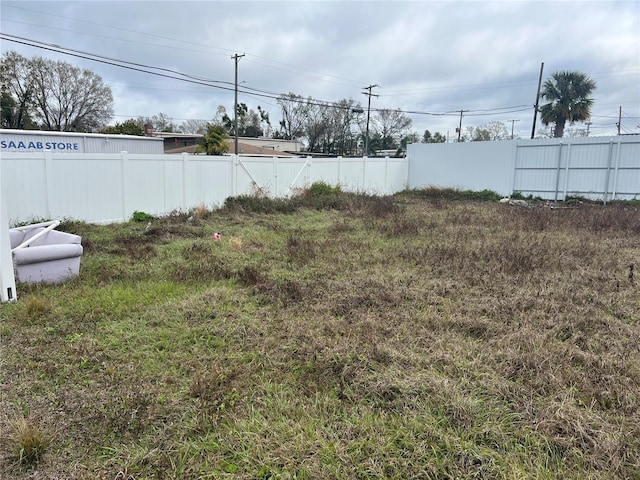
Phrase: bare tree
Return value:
(194, 125)
(294, 115)
(497, 130)
(391, 125)
(69, 99)
(315, 125)
(491, 131)
(17, 91)
(339, 135)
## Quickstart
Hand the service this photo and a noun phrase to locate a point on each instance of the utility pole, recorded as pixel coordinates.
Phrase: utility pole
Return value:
(512, 123)
(535, 108)
(366, 139)
(588, 124)
(237, 58)
(459, 129)
(619, 119)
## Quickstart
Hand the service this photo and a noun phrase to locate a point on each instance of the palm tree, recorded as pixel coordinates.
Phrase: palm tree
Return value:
(214, 142)
(568, 94)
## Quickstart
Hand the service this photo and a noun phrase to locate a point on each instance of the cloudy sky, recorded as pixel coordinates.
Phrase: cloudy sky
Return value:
(430, 58)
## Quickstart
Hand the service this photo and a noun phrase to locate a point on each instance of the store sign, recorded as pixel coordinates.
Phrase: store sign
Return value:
(28, 145)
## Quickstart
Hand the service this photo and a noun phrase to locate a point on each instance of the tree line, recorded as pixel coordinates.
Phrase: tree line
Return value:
(39, 93)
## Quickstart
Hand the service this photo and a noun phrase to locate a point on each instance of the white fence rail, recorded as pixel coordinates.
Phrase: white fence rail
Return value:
(602, 168)
(110, 187)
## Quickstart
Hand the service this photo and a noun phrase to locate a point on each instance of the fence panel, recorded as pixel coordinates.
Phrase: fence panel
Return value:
(625, 174)
(207, 180)
(464, 166)
(602, 168)
(109, 187)
(24, 186)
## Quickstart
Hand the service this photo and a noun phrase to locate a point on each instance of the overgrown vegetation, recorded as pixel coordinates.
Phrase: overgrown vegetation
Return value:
(335, 335)
(455, 194)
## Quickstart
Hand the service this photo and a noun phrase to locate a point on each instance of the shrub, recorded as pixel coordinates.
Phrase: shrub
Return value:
(436, 193)
(258, 204)
(141, 217)
(322, 196)
(321, 188)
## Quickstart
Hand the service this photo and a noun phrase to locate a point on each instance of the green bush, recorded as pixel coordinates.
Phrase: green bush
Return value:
(436, 193)
(257, 204)
(141, 217)
(322, 188)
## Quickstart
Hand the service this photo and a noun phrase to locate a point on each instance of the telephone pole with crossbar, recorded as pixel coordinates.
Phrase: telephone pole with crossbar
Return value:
(366, 139)
(237, 58)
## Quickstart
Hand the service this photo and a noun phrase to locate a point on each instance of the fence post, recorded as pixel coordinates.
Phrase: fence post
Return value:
(164, 182)
(48, 181)
(566, 174)
(514, 166)
(275, 177)
(407, 159)
(234, 175)
(615, 174)
(555, 198)
(184, 180)
(386, 174)
(364, 174)
(123, 188)
(7, 278)
(606, 177)
(123, 179)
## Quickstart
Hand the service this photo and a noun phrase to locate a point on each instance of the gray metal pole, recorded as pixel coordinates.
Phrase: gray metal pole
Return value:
(535, 111)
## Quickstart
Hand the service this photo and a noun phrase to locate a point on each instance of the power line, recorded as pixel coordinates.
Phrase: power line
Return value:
(322, 74)
(253, 92)
(114, 62)
(176, 75)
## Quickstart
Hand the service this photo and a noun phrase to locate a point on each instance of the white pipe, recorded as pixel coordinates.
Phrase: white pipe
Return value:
(51, 225)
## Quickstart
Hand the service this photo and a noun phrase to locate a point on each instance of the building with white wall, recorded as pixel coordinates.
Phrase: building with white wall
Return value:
(30, 141)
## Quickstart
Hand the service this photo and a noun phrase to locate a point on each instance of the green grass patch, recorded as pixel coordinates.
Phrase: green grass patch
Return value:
(333, 335)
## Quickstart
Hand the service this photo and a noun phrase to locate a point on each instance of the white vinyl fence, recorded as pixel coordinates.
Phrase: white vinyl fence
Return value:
(600, 168)
(104, 188)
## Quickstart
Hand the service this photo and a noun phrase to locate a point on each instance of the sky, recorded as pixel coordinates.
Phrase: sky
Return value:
(430, 59)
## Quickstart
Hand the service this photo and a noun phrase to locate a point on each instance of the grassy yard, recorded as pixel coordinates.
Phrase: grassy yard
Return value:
(333, 336)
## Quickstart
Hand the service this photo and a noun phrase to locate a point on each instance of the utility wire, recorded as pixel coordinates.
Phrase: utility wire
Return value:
(323, 75)
(219, 84)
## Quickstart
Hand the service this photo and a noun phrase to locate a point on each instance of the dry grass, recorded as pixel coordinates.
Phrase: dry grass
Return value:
(26, 440)
(340, 336)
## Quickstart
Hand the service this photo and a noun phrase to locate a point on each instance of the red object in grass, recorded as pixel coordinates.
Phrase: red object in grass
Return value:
(216, 236)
